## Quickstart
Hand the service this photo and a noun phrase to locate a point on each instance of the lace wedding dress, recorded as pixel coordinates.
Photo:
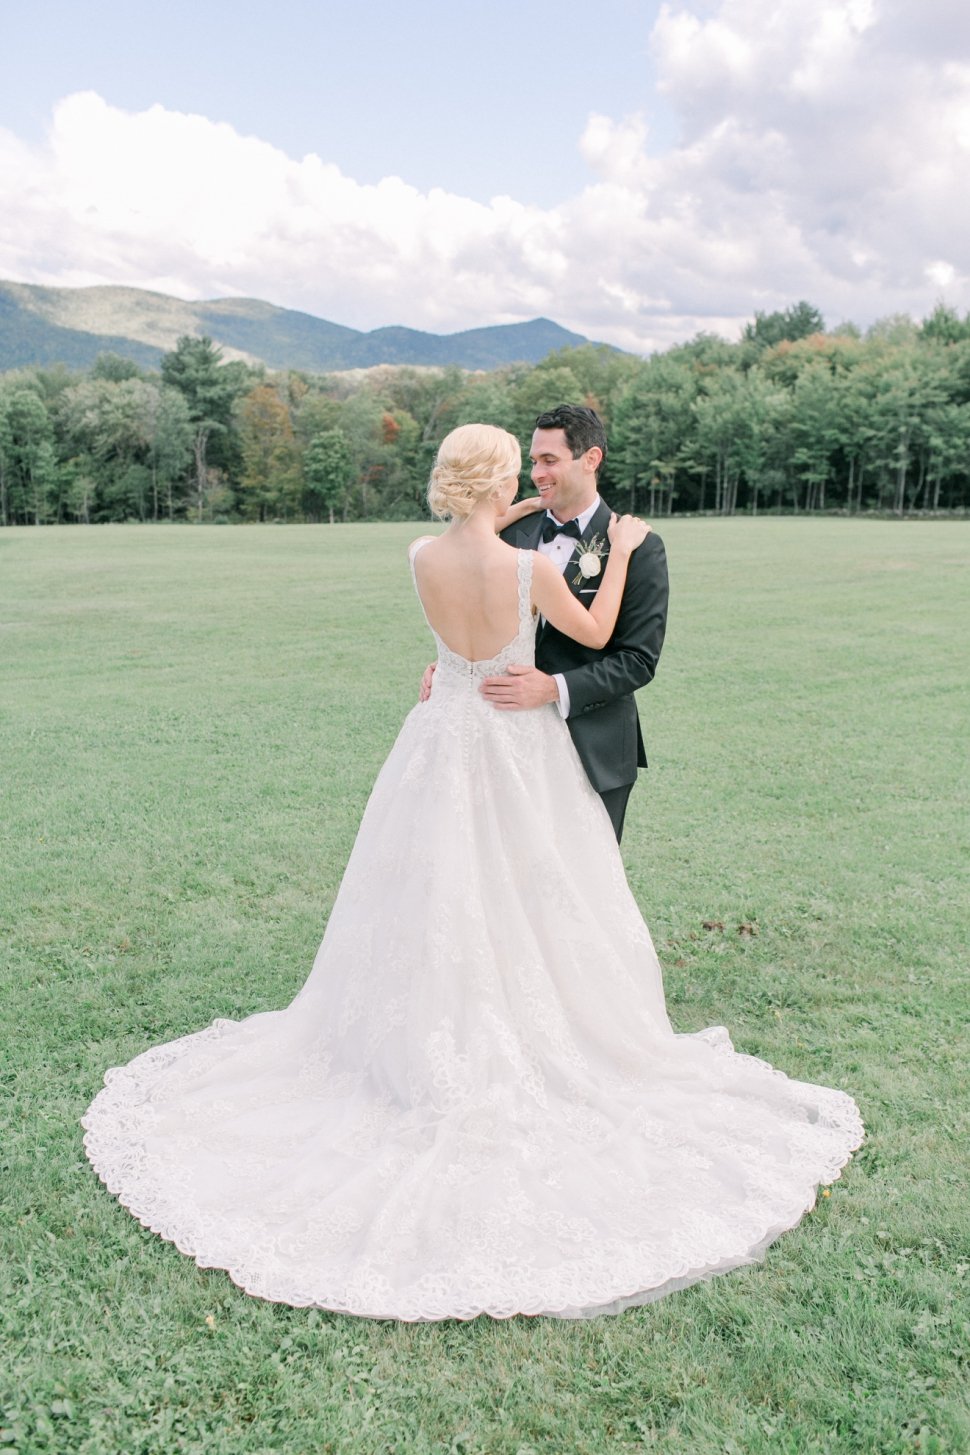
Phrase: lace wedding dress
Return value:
(476, 1103)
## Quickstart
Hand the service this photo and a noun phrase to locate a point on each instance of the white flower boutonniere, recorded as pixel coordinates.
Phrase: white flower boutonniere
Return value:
(590, 561)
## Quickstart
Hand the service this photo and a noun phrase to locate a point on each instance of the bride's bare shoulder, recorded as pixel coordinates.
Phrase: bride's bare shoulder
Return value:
(415, 546)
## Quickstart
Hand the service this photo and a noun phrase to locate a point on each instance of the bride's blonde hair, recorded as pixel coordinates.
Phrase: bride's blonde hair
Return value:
(472, 461)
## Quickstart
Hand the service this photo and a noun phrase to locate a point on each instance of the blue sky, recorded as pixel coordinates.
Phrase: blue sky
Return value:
(479, 99)
(639, 171)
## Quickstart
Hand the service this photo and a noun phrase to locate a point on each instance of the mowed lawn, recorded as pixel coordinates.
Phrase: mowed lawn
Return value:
(191, 719)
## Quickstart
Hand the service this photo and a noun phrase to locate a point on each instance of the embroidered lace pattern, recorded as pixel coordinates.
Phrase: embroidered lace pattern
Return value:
(476, 1104)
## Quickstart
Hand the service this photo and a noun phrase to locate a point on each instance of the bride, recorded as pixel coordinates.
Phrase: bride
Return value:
(476, 1104)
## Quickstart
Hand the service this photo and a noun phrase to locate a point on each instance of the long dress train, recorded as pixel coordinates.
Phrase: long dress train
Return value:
(476, 1103)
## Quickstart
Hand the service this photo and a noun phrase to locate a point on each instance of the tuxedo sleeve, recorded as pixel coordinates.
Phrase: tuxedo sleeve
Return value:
(630, 658)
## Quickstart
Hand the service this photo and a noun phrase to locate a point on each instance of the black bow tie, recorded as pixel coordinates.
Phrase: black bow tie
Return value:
(552, 528)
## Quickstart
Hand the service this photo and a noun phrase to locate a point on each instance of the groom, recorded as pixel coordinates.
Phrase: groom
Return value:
(592, 688)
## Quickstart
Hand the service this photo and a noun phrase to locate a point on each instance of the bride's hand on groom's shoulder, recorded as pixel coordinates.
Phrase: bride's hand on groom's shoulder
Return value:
(626, 532)
(517, 511)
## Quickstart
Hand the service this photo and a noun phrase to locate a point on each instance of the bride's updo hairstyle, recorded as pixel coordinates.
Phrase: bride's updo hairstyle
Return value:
(472, 461)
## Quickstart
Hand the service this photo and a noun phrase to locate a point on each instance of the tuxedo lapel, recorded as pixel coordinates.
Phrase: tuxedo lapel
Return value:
(585, 589)
(529, 531)
(572, 577)
(600, 524)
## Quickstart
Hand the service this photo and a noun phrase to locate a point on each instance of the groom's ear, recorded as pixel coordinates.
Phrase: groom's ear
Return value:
(592, 459)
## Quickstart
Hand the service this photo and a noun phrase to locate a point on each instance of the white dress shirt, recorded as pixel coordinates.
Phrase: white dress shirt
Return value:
(560, 551)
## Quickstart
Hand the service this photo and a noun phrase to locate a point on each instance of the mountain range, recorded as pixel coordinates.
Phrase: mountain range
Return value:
(71, 326)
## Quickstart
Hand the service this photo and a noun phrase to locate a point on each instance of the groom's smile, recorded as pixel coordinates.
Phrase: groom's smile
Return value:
(566, 486)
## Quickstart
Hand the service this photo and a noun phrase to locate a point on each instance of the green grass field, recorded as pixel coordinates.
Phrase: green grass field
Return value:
(191, 720)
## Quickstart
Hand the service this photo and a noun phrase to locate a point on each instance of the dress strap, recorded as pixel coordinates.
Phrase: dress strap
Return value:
(413, 549)
(415, 546)
(524, 567)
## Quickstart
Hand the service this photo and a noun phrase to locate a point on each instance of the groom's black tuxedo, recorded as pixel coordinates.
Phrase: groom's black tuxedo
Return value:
(603, 717)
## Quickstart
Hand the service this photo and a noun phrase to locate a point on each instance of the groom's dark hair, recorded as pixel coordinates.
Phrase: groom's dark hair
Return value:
(582, 427)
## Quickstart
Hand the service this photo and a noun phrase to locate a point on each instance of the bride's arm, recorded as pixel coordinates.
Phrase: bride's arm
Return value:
(593, 628)
(517, 511)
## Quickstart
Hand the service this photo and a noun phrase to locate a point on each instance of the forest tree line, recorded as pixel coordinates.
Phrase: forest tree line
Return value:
(791, 418)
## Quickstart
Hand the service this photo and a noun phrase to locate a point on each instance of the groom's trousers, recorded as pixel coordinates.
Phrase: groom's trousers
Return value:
(615, 801)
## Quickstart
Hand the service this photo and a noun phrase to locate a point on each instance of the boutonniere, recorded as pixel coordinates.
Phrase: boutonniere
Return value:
(590, 560)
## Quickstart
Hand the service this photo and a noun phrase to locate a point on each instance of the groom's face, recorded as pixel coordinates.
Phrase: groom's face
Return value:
(567, 486)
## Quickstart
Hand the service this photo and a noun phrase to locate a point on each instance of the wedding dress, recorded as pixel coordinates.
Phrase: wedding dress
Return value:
(476, 1103)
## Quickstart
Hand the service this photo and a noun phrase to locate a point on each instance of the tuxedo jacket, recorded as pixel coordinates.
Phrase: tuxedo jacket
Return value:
(603, 718)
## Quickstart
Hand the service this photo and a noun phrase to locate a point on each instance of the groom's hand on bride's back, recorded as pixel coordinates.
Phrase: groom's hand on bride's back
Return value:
(521, 688)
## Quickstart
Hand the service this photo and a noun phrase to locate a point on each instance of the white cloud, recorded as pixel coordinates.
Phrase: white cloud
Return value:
(824, 153)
